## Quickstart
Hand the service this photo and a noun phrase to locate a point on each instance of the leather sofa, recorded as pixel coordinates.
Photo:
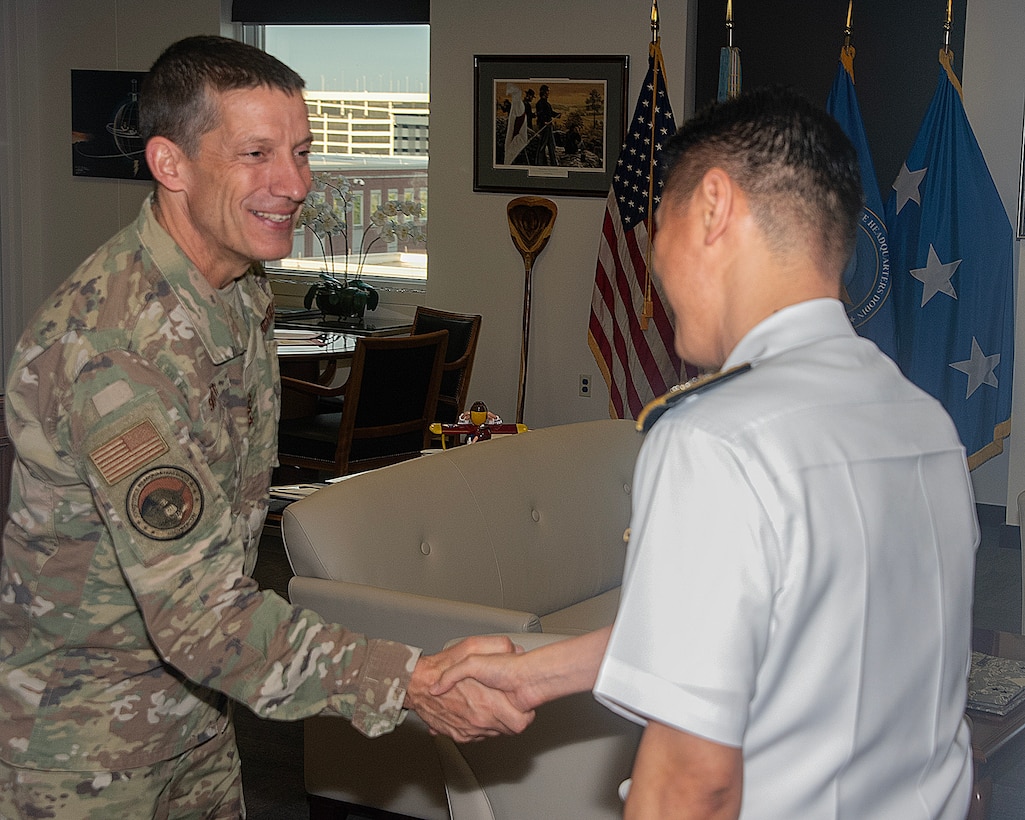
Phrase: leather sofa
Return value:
(521, 534)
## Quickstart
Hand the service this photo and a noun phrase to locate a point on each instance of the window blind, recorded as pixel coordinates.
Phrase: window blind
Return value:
(330, 12)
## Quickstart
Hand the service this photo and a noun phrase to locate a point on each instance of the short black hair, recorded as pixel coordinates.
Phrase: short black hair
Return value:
(794, 162)
(175, 100)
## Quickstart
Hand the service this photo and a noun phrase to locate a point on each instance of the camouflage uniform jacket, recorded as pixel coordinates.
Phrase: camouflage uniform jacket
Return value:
(143, 406)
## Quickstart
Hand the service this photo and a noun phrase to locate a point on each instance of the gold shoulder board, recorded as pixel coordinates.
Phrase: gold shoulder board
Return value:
(654, 409)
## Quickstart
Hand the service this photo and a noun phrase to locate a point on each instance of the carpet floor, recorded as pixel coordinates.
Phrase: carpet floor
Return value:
(272, 750)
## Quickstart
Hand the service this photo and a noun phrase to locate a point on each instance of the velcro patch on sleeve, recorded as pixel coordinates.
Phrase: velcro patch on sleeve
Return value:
(127, 452)
(113, 396)
(164, 503)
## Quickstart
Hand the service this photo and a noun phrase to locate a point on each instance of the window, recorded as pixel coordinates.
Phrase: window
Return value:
(368, 101)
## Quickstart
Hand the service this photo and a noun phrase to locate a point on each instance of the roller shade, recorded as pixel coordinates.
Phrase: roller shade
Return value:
(330, 12)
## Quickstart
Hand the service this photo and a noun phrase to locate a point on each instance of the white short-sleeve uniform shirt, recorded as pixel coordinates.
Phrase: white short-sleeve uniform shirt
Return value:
(799, 580)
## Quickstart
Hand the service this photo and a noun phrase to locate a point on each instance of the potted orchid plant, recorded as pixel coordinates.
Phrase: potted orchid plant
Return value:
(326, 215)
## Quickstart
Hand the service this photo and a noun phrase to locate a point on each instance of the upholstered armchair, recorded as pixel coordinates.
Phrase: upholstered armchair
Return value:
(520, 535)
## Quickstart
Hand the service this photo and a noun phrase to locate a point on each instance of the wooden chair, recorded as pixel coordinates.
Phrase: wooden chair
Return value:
(390, 399)
(463, 331)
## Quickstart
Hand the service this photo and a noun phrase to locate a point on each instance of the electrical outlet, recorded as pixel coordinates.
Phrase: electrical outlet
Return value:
(584, 388)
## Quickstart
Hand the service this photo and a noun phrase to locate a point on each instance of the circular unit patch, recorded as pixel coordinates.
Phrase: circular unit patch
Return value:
(164, 503)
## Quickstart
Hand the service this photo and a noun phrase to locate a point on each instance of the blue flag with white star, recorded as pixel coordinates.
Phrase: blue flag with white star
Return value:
(867, 280)
(951, 247)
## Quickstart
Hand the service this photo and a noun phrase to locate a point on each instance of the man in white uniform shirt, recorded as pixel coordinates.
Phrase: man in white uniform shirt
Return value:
(795, 623)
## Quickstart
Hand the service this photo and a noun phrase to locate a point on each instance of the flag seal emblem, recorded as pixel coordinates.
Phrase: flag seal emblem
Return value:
(164, 503)
(866, 280)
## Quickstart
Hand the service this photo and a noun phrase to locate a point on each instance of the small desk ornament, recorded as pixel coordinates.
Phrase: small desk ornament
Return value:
(477, 425)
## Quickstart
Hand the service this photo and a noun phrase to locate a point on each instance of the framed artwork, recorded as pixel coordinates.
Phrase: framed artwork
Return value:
(105, 138)
(548, 125)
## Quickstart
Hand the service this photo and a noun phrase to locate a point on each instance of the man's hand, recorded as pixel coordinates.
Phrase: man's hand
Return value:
(465, 710)
(532, 678)
(511, 674)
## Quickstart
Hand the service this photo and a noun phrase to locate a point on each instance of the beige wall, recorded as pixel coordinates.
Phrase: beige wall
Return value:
(994, 98)
(53, 220)
(473, 263)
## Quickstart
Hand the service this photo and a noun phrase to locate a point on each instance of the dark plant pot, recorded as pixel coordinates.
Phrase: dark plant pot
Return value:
(348, 301)
(342, 302)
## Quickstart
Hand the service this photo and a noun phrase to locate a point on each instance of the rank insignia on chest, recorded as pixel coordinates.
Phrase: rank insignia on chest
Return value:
(654, 409)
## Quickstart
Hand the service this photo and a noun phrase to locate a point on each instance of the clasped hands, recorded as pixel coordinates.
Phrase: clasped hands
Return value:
(486, 686)
(445, 692)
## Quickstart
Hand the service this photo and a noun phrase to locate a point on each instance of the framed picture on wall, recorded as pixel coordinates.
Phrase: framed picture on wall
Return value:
(105, 138)
(548, 125)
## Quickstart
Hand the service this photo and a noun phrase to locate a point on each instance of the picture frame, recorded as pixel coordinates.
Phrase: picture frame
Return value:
(571, 147)
(105, 138)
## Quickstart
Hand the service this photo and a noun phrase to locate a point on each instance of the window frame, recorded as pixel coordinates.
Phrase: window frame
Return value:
(291, 278)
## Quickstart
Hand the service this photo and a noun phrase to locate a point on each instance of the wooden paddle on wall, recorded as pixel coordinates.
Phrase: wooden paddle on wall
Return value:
(531, 219)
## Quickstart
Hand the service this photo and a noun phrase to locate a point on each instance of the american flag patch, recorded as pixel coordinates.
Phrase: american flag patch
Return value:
(126, 453)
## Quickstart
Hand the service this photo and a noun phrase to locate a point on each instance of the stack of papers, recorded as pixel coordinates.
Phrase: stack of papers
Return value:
(293, 492)
(298, 337)
(995, 685)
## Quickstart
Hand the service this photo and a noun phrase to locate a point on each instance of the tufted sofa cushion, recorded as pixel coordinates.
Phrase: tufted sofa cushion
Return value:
(531, 523)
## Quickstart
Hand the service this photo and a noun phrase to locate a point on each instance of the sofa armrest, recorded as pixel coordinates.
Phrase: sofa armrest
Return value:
(417, 620)
(526, 642)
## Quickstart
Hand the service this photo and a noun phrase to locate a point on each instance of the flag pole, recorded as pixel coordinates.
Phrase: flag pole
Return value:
(946, 29)
(648, 309)
(947, 56)
(847, 52)
(729, 61)
(847, 61)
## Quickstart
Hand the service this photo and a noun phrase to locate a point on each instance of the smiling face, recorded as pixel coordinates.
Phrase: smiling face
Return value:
(244, 188)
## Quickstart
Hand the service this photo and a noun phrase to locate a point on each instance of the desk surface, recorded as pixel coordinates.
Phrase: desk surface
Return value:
(370, 326)
(990, 733)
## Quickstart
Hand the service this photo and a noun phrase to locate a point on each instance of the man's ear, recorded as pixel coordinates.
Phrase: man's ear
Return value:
(167, 162)
(715, 198)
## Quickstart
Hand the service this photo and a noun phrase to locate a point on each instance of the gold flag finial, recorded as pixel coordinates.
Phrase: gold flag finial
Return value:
(847, 51)
(947, 27)
(654, 20)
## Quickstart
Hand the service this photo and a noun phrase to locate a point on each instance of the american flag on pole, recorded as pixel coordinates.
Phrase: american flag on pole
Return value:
(630, 330)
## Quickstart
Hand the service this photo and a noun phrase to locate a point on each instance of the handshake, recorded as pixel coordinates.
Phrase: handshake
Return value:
(487, 686)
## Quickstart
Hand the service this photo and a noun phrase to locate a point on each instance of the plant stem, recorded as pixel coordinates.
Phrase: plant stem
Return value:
(364, 252)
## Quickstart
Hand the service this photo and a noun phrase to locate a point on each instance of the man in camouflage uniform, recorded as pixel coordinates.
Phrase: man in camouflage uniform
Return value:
(143, 403)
